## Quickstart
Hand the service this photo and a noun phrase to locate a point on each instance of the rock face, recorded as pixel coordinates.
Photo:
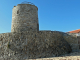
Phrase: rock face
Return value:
(29, 45)
(55, 45)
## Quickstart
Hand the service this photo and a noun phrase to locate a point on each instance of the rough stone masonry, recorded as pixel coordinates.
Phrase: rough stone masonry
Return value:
(25, 41)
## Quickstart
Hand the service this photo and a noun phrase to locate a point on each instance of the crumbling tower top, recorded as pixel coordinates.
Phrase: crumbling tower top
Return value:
(25, 2)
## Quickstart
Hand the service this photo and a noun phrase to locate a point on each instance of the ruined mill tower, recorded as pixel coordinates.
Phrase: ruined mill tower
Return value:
(24, 18)
(26, 42)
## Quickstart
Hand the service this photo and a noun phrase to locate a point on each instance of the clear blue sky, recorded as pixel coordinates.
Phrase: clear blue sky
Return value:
(59, 15)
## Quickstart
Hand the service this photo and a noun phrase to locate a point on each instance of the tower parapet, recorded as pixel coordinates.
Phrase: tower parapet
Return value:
(24, 18)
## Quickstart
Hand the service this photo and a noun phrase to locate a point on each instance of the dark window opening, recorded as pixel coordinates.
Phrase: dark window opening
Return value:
(18, 12)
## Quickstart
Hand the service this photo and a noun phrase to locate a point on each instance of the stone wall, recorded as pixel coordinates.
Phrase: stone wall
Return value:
(73, 41)
(14, 45)
(78, 38)
(78, 41)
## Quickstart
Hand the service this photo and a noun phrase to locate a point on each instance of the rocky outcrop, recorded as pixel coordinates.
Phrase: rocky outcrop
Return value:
(31, 45)
(48, 45)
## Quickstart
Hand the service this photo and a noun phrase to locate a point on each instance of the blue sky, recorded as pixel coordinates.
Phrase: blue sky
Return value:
(59, 15)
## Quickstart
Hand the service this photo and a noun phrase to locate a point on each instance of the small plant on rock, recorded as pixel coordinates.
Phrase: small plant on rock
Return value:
(8, 45)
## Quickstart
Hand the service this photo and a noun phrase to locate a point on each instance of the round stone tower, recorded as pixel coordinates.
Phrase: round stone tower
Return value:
(24, 18)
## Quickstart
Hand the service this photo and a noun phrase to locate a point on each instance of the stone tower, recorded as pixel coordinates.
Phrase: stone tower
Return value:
(24, 18)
